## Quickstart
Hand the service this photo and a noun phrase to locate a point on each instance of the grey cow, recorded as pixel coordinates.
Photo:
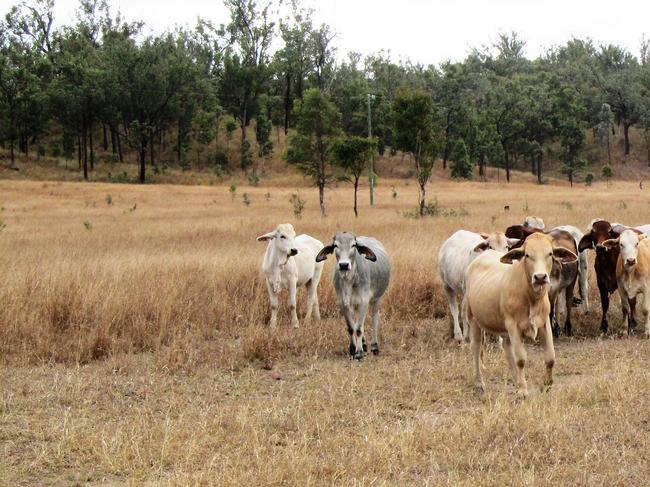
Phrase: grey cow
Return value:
(361, 278)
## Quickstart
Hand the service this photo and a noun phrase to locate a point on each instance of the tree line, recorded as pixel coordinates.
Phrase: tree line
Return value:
(102, 83)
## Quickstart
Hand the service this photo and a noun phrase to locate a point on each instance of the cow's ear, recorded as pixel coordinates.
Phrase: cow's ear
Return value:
(586, 242)
(366, 252)
(565, 256)
(484, 235)
(611, 243)
(513, 243)
(617, 229)
(510, 257)
(266, 236)
(325, 251)
(482, 247)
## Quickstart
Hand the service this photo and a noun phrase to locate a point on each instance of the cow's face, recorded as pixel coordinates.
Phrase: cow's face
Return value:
(534, 222)
(496, 241)
(600, 231)
(345, 247)
(282, 239)
(536, 257)
(628, 244)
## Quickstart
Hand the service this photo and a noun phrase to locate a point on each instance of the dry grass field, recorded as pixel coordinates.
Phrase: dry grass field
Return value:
(134, 348)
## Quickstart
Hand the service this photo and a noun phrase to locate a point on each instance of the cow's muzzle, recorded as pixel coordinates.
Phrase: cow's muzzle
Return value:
(540, 278)
(630, 262)
(344, 266)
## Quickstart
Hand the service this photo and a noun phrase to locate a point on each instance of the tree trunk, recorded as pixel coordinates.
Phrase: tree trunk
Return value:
(507, 167)
(287, 104)
(143, 153)
(481, 165)
(571, 178)
(12, 154)
(609, 151)
(105, 138)
(321, 198)
(422, 196)
(646, 134)
(113, 140)
(119, 147)
(445, 155)
(84, 150)
(243, 124)
(356, 188)
(626, 129)
(92, 148)
(152, 144)
(79, 150)
(539, 168)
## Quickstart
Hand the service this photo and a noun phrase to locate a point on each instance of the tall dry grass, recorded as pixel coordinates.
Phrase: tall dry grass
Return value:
(216, 398)
(175, 269)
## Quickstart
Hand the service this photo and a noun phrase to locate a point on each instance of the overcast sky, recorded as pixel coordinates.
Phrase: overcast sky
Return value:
(425, 31)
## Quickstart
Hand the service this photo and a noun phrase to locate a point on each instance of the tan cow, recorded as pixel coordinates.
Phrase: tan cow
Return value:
(507, 295)
(633, 275)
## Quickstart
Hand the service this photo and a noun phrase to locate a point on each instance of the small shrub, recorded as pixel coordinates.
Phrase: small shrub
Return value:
(218, 158)
(589, 179)
(233, 190)
(298, 205)
(245, 199)
(622, 205)
(254, 178)
(566, 205)
(394, 193)
(3, 225)
(41, 151)
(109, 199)
(88, 226)
(267, 196)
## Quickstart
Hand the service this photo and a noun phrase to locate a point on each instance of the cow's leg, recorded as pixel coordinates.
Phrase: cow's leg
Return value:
(631, 323)
(374, 344)
(292, 302)
(310, 301)
(549, 354)
(273, 297)
(358, 331)
(568, 299)
(583, 269)
(556, 327)
(463, 318)
(625, 307)
(351, 324)
(453, 308)
(510, 357)
(646, 313)
(476, 346)
(604, 304)
(520, 356)
(315, 280)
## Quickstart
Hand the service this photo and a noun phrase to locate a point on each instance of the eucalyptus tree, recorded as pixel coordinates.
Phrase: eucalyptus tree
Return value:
(317, 127)
(417, 130)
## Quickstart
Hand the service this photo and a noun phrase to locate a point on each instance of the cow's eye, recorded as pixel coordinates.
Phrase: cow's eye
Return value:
(527, 256)
(550, 254)
(282, 236)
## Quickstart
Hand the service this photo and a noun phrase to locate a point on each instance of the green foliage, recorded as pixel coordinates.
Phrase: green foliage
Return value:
(245, 199)
(245, 155)
(607, 171)
(88, 226)
(317, 127)
(254, 178)
(109, 199)
(589, 179)
(218, 158)
(461, 166)
(233, 190)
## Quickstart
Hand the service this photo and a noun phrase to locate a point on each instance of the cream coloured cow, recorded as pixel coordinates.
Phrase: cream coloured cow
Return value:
(290, 262)
(455, 255)
(633, 275)
(507, 295)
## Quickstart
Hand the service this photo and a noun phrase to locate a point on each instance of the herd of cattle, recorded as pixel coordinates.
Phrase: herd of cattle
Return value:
(509, 284)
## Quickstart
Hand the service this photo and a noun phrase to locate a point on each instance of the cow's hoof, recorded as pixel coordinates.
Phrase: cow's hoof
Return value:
(375, 349)
(604, 327)
(359, 356)
(365, 347)
(353, 350)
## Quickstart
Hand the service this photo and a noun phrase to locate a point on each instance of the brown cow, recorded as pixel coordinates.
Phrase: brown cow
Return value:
(605, 263)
